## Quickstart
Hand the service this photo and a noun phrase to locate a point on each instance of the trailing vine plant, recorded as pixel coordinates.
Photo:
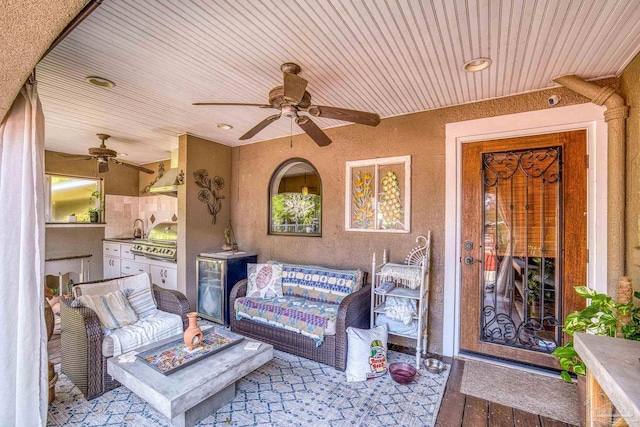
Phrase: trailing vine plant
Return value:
(210, 191)
(601, 317)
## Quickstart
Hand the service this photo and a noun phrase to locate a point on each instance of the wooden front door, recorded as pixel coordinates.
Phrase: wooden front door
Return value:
(524, 243)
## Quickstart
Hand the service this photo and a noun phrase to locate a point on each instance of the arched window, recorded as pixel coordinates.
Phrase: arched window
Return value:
(295, 199)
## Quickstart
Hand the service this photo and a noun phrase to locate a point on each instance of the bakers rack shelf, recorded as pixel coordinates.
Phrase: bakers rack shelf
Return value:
(410, 281)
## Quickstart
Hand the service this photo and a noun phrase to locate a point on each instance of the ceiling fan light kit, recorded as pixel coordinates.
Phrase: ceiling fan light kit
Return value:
(292, 98)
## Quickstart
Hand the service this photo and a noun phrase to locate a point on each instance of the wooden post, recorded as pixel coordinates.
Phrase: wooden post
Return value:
(599, 406)
(625, 296)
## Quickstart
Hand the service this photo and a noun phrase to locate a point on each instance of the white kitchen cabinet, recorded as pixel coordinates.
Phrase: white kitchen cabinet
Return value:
(129, 267)
(165, 275)
(125, 251)
(119, 261)
(111, 267)
(111, 249)
(113, 253)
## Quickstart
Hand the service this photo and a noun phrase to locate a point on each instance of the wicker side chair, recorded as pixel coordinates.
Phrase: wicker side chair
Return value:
(81, 342)
(353, 311)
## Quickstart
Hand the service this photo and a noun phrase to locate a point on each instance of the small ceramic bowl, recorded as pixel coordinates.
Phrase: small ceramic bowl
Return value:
(402, 373)
(434, 366)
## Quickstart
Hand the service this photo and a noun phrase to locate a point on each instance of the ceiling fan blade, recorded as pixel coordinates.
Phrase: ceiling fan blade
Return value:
(355, 116)
(257, 128)
(294, 87)
(71, 159)
(313, 131)
(131, 165)
(72, 156)
(233, 103)
(103, 167)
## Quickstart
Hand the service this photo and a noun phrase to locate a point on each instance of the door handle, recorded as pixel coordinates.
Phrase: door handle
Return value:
(468, 260)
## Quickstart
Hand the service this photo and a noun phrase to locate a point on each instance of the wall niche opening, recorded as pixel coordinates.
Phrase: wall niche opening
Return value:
(295, 200)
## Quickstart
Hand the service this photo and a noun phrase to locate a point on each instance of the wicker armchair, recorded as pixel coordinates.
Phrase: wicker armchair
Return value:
(353, 311)
(81, 342)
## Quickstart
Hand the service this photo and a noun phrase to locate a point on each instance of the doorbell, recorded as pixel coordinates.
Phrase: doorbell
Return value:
(553, 100)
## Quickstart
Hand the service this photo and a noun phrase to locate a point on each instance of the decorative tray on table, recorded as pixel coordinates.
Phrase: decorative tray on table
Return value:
(173, 356)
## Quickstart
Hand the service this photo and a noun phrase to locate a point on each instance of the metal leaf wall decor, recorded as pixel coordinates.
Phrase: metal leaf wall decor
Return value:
(147, 188)
(210, 191)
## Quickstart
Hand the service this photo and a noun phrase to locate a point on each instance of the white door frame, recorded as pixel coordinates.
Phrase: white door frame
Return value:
(557, 119)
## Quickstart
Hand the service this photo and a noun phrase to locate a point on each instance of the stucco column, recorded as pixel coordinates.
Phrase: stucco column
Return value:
(615, 116)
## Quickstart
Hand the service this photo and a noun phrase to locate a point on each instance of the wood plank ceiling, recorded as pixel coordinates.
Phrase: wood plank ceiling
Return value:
(389, 56)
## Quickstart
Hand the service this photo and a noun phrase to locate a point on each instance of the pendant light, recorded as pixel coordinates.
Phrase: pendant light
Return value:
(304, 189)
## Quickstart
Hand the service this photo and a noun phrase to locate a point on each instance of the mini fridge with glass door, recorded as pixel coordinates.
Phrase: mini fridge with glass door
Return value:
(216, 274)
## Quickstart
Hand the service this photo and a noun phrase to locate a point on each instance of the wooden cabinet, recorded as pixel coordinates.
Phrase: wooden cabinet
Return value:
(409, 282)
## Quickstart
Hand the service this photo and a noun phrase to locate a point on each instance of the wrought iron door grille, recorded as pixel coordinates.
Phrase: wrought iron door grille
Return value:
(522, 263)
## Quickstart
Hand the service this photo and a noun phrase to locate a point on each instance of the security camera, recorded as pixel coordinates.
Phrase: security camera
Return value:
(553, 100)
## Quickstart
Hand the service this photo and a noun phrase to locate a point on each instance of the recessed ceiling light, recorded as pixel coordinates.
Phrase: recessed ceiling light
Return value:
(100, 81)
(477, 64)
(122, 154)
(224, 126)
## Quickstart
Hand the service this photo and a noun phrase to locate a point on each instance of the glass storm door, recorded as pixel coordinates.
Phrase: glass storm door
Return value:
(524, 243)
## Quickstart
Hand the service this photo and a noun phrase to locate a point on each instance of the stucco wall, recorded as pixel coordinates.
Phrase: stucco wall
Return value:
(422, 135)
(196, 231)
(630, 90)
(83, 240)
(28, 29)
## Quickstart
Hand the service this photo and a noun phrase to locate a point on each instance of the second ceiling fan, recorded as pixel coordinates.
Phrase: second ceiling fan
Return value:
(292, 98)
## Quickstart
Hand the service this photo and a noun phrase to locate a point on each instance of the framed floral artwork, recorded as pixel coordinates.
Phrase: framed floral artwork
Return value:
(378, 195)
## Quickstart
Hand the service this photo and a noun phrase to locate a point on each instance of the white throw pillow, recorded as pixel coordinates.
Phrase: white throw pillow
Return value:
(113, 309)
(264, 280)
(366, 353)
(136, 288)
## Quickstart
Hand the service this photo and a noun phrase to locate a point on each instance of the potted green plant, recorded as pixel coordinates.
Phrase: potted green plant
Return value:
(94, 213)
(601, 317)
(69, 289)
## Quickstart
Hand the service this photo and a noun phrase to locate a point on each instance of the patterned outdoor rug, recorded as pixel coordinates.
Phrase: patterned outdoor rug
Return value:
(288, 391)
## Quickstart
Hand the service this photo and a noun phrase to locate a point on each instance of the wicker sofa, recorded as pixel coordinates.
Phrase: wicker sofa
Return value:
(82, 336)
(353, 310)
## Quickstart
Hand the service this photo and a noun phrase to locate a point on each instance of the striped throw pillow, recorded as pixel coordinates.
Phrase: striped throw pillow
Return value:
(113, 309)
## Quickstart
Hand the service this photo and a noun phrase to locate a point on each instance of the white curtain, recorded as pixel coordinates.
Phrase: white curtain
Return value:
(23, 340)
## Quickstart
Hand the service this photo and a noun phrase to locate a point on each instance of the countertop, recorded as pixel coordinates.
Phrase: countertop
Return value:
(122, 239)
(63, 255)
(614, 364)
(227, 254)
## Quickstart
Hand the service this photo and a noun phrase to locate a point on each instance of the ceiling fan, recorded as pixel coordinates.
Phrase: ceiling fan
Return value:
(292, 98)
(105, 155)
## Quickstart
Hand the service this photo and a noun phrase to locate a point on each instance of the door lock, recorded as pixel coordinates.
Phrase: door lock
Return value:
(468, 245)
(469, 260)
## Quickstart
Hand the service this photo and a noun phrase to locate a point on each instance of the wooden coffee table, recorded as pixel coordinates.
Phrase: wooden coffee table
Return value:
(193, 393)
